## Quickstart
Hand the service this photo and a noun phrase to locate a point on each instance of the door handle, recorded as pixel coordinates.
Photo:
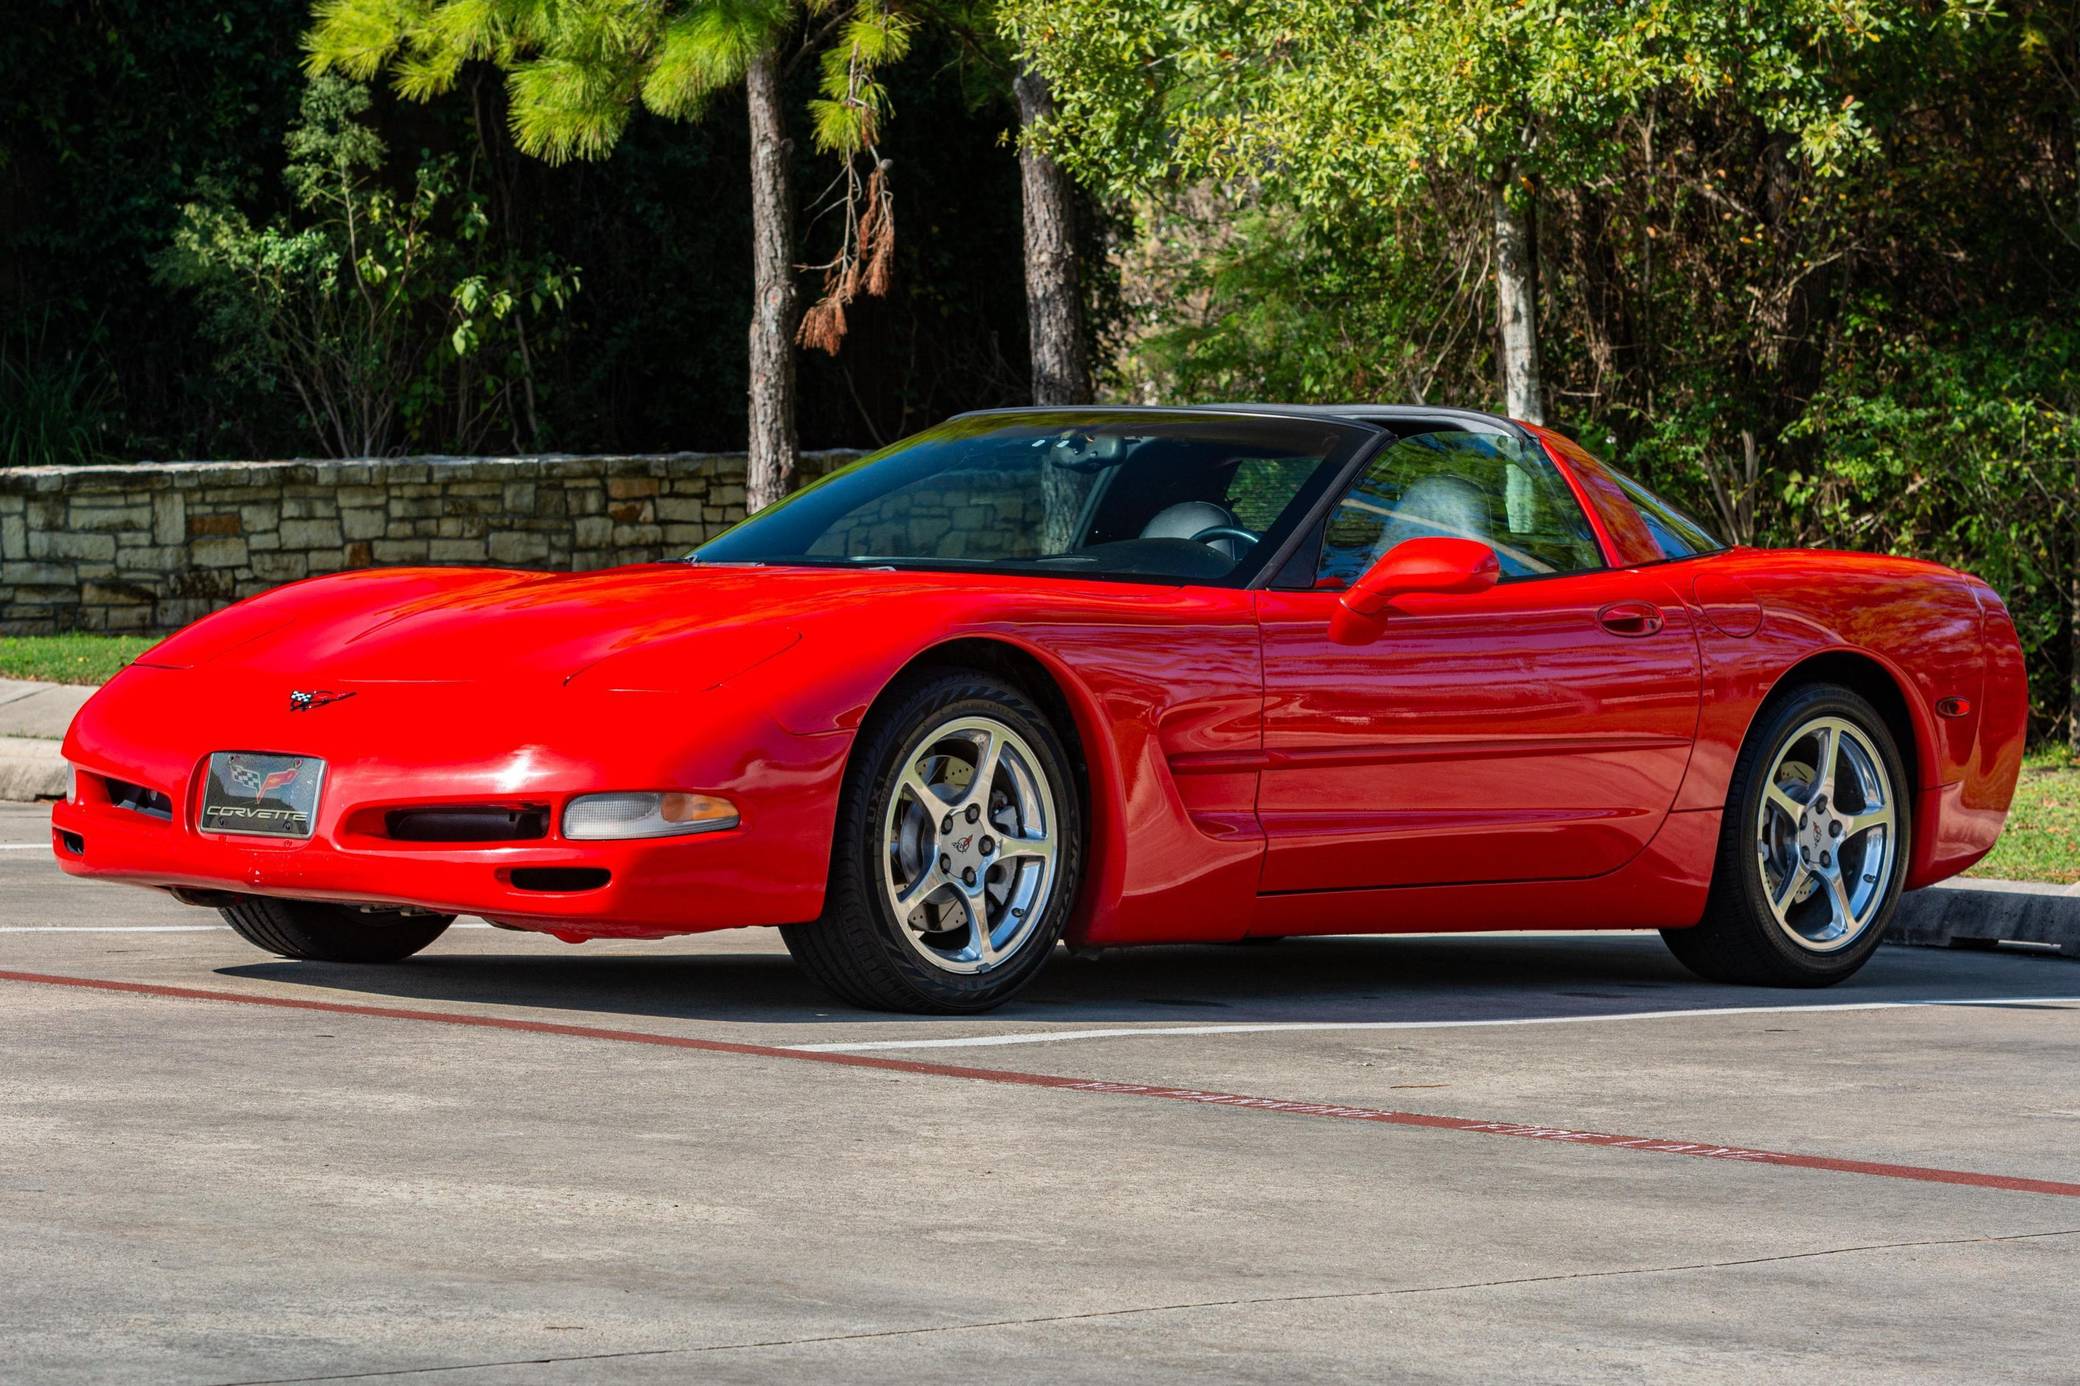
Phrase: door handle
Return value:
(1630, 618)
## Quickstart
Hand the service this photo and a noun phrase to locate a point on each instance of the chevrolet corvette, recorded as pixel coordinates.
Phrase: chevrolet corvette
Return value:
(1101, 676)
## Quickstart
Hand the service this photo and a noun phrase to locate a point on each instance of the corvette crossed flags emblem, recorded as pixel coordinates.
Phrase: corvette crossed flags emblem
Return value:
(303, 701)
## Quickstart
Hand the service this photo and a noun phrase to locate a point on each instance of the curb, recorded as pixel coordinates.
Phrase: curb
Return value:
(33, 718)
(30, 769)
(1986, 913)
(40, 709)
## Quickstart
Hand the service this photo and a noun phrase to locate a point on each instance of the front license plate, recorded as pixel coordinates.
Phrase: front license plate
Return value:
(262, 794)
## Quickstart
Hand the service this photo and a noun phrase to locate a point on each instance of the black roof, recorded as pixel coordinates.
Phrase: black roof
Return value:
(1384, 415)
(1392, 417)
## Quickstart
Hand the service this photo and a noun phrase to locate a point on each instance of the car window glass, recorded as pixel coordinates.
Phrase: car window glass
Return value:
(1493, 489)
(1005, 503)
(1133, 495)
(1261, 486)
(1678, 535)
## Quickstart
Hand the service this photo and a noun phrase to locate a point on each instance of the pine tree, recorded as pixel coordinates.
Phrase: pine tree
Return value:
(576, 70)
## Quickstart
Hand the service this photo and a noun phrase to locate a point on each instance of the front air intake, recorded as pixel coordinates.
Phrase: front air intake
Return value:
(468, 823)
(559, 880)
(138, 799)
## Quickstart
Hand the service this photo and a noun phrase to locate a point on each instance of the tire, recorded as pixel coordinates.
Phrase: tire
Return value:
(311, 932)
(1026, 843)
(1779, 848)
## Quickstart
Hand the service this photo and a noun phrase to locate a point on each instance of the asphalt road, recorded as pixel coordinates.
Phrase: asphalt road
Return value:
(1513, 1157)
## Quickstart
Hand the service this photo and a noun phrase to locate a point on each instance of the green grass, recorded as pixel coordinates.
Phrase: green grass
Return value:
(2042, 839)
(89, 659)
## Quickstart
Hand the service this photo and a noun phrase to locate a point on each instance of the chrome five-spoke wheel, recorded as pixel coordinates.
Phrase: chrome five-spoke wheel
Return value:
(969, 865)
(957, 852)
(1824, 837)
(1813, 845)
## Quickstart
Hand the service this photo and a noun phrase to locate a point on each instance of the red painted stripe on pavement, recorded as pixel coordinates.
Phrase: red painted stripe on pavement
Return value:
(1063, 1083)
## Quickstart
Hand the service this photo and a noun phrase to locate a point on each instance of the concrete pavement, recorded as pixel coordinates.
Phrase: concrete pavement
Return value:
(41, 710)
(33, 719)
(247, 1189)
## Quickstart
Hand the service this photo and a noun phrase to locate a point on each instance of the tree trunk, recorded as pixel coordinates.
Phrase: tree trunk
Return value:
(1054, 298)
(1516, 295)
(773, 449)
(1054, 303)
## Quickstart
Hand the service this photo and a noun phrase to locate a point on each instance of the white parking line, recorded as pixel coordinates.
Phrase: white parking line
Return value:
(146, 928)
(1190, 1031)
(112, 928)
(24, 846)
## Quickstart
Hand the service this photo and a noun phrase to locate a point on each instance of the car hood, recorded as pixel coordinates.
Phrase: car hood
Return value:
(466, 625)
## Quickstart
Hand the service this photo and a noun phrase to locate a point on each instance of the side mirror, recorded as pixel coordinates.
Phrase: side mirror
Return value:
(1441, 567)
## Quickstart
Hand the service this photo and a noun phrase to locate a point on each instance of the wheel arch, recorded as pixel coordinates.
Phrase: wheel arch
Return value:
(1721, 946)
(1885, 688)
(1077, 716)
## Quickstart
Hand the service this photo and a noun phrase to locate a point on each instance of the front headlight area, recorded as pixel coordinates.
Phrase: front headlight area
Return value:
(630, 816)
(91, 788)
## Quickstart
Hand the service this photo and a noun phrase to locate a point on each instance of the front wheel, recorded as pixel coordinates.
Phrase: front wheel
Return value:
(313, 932)
(958, 852)
(1812, 851)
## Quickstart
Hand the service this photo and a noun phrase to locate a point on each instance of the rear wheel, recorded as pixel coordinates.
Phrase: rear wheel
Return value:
(958, 852)
(312, 932)
(1812, 850)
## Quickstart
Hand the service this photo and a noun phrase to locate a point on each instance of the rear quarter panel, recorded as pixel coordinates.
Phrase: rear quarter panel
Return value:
(1922, 624)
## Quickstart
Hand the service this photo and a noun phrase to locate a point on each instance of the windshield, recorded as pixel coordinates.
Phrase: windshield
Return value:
(1141, 496)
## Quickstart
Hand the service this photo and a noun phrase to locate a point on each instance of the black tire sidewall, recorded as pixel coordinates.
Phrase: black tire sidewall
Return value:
(308, 931)
(933, 701)
(1757, 759)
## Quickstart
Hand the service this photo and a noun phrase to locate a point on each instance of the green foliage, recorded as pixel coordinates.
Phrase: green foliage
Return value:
(574, 68)
(54, 408)
(110, 111)
(337, 300)
(1340, 104)
(1964, 449)
(707, 48)
(1267, 303)
(847, 117)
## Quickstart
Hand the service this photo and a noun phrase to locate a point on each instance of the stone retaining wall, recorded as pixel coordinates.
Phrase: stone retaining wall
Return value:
(151, 547)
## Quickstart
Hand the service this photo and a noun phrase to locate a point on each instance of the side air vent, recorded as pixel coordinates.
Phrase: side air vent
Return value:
(560, 880)
(135, 797)
(468, 823)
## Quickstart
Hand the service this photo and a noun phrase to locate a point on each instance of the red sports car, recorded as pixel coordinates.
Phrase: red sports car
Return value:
(1109, 676)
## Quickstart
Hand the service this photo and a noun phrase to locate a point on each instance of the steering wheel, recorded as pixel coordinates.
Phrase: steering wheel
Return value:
(1226, 532)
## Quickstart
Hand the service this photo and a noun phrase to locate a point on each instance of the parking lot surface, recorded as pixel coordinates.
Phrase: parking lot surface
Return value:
(1527, 1157)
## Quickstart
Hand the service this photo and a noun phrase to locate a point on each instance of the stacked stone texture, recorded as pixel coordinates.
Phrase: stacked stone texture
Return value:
(153, 546)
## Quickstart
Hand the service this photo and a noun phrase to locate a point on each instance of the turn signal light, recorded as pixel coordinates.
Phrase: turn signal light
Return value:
(604, 817)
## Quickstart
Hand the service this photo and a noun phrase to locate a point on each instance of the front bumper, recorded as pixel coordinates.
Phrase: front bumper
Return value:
(394, 749)
(668, 886)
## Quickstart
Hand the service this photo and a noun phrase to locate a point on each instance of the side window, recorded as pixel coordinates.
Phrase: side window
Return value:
(1493, 489)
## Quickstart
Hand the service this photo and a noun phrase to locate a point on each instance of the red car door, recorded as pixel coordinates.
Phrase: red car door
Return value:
(1534, 731)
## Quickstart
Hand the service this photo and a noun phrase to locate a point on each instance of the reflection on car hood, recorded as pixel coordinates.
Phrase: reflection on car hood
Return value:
(622, 627)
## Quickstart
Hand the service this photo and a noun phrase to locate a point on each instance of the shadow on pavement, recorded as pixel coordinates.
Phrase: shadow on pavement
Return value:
(1426, 978)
